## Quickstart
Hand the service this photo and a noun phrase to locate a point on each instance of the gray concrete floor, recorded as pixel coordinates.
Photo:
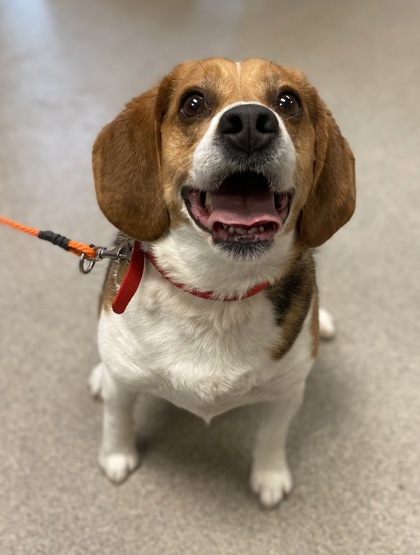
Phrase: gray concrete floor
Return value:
(66, 68)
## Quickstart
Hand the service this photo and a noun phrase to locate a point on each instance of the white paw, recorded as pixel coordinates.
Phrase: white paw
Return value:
(118, 466)
(326, 324)
(271, 486)
(96, 382)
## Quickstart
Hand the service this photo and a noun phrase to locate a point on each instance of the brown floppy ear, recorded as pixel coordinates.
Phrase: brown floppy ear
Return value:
(126, 169)
(332, 200)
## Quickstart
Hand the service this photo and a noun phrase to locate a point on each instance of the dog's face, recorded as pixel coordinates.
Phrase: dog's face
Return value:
(227, 154)
(243, 154)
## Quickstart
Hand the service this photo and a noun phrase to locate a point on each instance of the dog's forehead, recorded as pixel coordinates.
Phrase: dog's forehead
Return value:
(235, 81)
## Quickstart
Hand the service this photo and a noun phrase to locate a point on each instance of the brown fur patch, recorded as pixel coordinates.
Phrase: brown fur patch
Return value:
(291, 297)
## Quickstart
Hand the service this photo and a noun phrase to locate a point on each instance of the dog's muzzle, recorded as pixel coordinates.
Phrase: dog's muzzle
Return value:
(245, 203)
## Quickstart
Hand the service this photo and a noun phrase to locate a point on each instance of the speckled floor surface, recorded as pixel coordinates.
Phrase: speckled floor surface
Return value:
(66, 68)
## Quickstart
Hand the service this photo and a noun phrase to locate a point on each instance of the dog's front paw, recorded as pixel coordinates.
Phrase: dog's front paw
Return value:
(118, 466)
(271, 486)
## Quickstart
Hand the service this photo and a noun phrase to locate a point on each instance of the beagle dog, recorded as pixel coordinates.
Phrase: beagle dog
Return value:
(224, 178)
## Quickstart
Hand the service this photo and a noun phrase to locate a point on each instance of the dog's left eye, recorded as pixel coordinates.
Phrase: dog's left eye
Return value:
(194, 105)
(289, 105)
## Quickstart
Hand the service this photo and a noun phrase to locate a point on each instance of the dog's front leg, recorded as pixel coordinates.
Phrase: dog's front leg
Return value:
(118, 455)
(270, 477)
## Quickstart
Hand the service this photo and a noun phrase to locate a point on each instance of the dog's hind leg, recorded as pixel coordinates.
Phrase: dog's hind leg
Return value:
(326, 324)
(96, 381)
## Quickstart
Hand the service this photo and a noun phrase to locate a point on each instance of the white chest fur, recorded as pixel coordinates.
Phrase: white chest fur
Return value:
(205, 356)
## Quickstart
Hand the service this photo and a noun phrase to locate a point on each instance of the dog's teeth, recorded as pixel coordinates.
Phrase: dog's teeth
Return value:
(232, 230)
(208, 202)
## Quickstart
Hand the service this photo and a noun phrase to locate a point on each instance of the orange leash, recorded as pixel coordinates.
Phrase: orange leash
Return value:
(89, 254)
(54, 238)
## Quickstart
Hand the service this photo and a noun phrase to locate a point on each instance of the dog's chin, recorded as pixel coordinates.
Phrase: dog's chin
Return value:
(243, 249)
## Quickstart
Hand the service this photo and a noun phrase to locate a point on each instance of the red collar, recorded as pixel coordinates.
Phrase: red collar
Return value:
(134, 274)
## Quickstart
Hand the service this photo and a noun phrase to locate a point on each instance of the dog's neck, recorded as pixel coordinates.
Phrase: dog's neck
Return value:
(191, 259)
(209, 295)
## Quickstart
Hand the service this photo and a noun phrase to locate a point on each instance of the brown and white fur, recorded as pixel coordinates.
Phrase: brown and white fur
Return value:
(215, 131)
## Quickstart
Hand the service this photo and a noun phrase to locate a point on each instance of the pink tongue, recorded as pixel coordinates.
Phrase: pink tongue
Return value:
(246, 211)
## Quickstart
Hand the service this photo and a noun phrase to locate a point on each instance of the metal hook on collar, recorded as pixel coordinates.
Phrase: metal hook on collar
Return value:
(86, 264)
(121, 252)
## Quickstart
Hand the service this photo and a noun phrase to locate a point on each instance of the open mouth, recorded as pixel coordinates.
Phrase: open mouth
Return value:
(242, 210)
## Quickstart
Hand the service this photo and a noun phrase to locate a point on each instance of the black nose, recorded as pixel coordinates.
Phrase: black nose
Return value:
(249, 127)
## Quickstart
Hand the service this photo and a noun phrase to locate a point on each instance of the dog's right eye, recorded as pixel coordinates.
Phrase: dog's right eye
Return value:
(193, 105)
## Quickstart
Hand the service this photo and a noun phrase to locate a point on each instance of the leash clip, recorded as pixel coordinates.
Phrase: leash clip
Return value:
(118, 253)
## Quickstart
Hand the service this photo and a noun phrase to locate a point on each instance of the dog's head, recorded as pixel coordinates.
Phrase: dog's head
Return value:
(241, 153)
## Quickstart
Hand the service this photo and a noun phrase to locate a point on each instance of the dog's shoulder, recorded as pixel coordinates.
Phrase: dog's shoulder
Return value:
(291, 297)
